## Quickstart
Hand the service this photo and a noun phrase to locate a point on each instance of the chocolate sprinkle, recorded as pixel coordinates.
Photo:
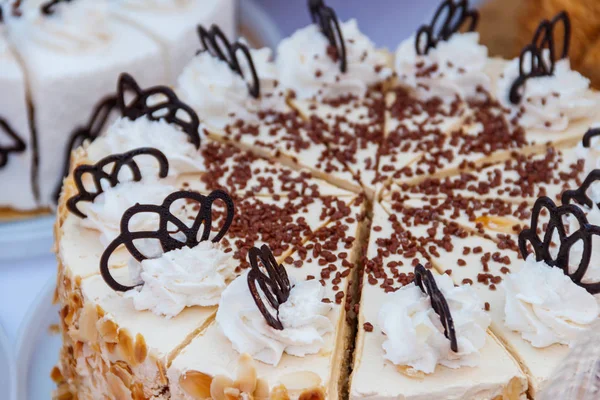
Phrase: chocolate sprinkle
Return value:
(164, 233)
(542, 247)
(327, 20)
(454, 15)
(89, 132)
(424, 279)
(17, 147)
(275, 284)
(217, 44)
(164, 109)
(98, 173)
(540, 64)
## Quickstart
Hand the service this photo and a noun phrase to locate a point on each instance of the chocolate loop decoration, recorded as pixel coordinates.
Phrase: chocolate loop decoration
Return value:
(217, 44)
(48, 7)
(541, 247)
(587, 138)
(17, 147)
(90, 132)
(329, 24)
(541, 63)
(98, 173)
(275, 284)
(163, 234)
(167, 109)
(426, 282)
(449, 18)
(580, 194)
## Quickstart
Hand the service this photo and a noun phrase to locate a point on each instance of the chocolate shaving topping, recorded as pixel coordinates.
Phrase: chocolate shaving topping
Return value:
(216, 43)
(449, 18)
(48, 7)
(275, 284)
(424, 279)
(541, 53)
(99, 174)
(89, 132)
(587, 138)
(327, 20)
(18, 145)
(156, 103)
(542, 246)
(185, 235)
(580, 194)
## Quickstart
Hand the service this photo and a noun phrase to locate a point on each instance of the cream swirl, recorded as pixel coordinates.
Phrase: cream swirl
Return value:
(188, 277)
(72, 27)
(126, 135)
(303, 317)
(155, 5)
(415, 334)
(105, 212)
(455, 67)
(306, 67)
(546, 306)
(549, 102)
(220, 96)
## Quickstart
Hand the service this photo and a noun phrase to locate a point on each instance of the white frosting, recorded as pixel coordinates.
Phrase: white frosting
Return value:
(220, 96)
(72, 27)
(415, 334)
(154, 5)
(591, 156)
(125, 135)
(592, 274)
(549, 102)
(105, 213)
(456, 68)
(546, 306)
(303, 317)
(183, 278)
(306, 68)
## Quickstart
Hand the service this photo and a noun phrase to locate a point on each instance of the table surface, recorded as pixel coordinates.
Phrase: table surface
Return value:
(22, 280)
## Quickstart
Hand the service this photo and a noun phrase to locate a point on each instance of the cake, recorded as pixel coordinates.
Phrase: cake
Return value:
(61, 57)
(337, 222)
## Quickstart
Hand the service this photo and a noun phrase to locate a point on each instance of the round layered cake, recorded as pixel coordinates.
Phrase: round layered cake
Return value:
(335, 221)
(60, 57)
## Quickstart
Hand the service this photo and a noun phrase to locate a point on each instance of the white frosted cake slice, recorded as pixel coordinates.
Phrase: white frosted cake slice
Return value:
(17, 146)
(173, 24)
(416, 361)
(308, 357)
(76, 46)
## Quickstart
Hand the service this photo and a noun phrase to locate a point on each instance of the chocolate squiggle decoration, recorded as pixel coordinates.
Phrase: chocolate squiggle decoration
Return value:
(454, 18)
(48, 7)
(426, 282)
(275, 284)
(327, 20)
(166, 221)
(98, 173)
(541, 247)
(580, 194)
(540, 65)
(167, 109)
(17, 147)
(89, 132)
(587, 138)
(217, 44)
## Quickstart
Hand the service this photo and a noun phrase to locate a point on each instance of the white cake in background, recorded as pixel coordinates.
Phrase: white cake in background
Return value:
(16, 173)
(69, 58)
(172, 23)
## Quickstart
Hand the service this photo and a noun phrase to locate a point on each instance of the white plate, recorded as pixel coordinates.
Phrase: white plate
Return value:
(7, 367)
(26, 238)
(37, 348)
